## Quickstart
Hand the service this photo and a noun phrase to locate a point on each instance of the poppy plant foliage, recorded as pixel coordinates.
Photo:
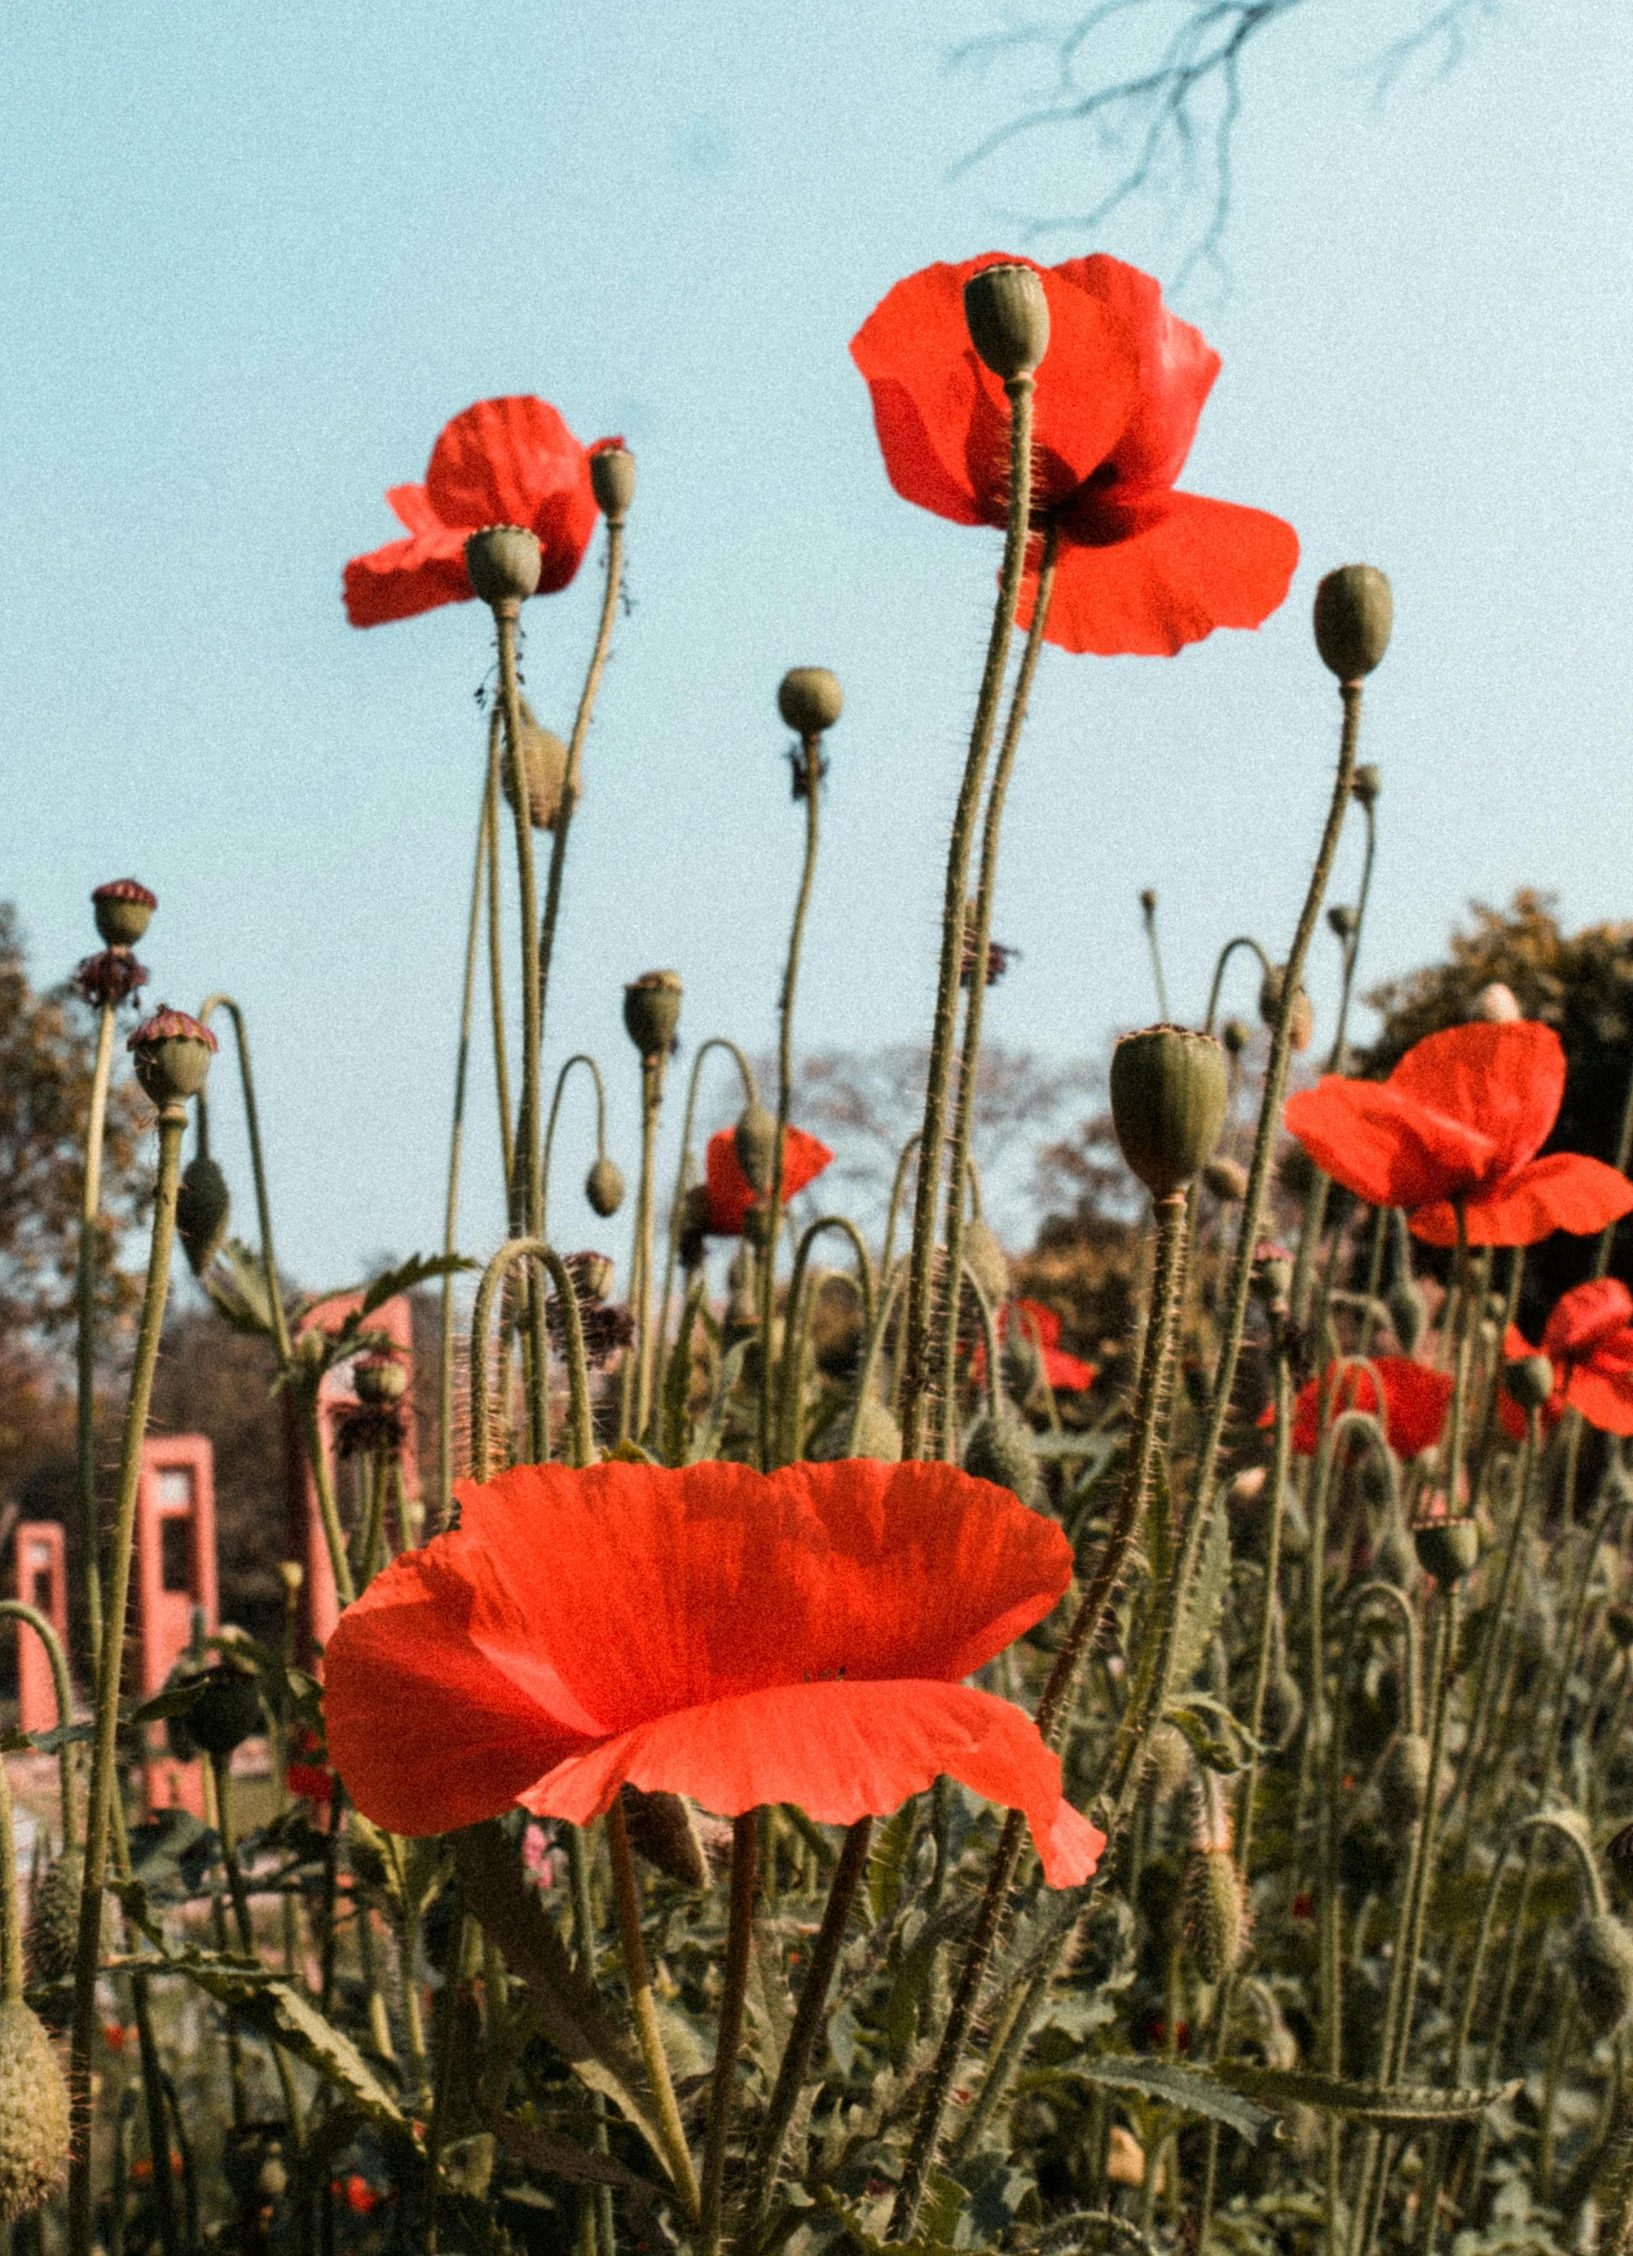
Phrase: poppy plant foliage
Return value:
(1589, 1341)
(1462, 1117)
(502, 462)
(728, 1190)
(738, 1637)
(1141, 568)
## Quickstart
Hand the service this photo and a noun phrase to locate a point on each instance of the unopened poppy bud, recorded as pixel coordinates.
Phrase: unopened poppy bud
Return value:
(754, 1139)
(1496, 1004)
(693, 1226)
(652, 1012)
(53, 1920)
(1407, 1313)
(1007, 315)
(1367, 784)
(1272, 1275)
(1530, 1381)
(877, 1436)
(1227, 1179)
(226, 1712)
(1395, 1558)
(379, 1379)
(1301, 1024)
(1000, 1450)
(1601, 1963)
(122, 910)
(612, 479)
(1447, 1549)
(986, 1260)
(1236, 1035)
(172, 1054)
(1342, 921)
(544, 764)
(1354, 612)
(203, 1209)
(292, 1575)
(663, 1830)
(810, 699)
(1148, 900)
(503, 563)
(35, 2125)
(1169, 1762)
(1403, 1779)
(1168, 1092)
(604, 1187)
(1215, 1912)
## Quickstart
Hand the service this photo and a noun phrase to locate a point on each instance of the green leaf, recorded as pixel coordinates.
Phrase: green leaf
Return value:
(888, 1862)
(561, 2157)
(418, 1269)
(857, 2232)
(1286, 2088)
(236, 1283)
(174, 1700)
(1194, 2091)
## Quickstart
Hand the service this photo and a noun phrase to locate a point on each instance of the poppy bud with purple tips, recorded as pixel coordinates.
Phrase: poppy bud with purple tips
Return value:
(172, 1054)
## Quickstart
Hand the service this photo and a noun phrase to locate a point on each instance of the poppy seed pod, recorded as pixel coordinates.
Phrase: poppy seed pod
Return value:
(503, 563)
(1000, 1450)
(34, 2114)
(1530, 1381)
(1447, 1549)
(754, 1140)
(612, 479)
(652, 1012)
(203, 1209)
(1227, 1179)
(1601, 1962)
(544, 763)
(1354, 612)
(604, 1186)
(122, 910)
(379, 1379)
(1302, 1018)
(1367, 784)
(810, 699)
(1007, 316)
(1215, 1912)
(1236, 1035)
(1168, 1092)
(172, 1054)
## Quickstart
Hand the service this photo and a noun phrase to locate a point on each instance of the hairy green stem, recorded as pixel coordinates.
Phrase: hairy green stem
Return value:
(683, 1173)
(90, 1215)
(15, 1609)
(581, 1440)
(450, 1226)
(796, 1327)
(638, 1980)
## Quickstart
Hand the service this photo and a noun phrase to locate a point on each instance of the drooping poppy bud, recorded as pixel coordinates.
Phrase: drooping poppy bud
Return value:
(693, 1227)
(1168, 1093)
(53, 1920)
(754, 1139)
(1236, 1035)
(604, 1186)
(810, 699)
(203, 1210)
(1448, 1549)
(1302, 1019)
(1007, 316)
(1215, 1912)
(1000, 1450)
(34, 2113)
(663, 1830)
(1530, 1381)
(612, 479)
(172, 1054)
(652, 1012)
(1601, 1962)
(379, 1380)
(1342, 921)
(1403, 1779)
(122, 910)
(544, 764)
(1496, 1005)
(1227, 1179)
(227, 1711)
(986, 1260)
(1407, 1313)
(503, 564)
(1354, 612)
(1367, 784)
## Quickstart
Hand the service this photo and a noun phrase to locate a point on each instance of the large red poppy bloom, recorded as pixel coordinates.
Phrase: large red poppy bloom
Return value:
(503, 462)
(1462, 1117)
(1589, 1341)
(1415, 1400)
(1141, 568)
(730, 1198)
(739, 1637)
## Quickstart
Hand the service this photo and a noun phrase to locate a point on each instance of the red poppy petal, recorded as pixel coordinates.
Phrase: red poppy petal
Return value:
(1509, 1414)
(1203, 564)
(840, 1751)
(730, 1198)
(500, 461)
(1067, 1374)
(1416, 1400)
(1038, 1322)
(1586, 1315)
(1565, 1191)
(1177, 367)
(411, 506)
(1505, 1080)
(1382, 1146)
(405, 578)
(1603, 1394)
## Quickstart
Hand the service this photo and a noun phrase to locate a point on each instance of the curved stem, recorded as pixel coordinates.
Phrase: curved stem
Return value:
(796, 1325)
(889, 1290)
(445, 1344)
(683, 1173)
(745, 1855)
(579, 1057)
(11, 1914)
(581, 1440)
(1242, 940)
(638, 1979)
(90, 1214)
(14, 1609)
(916, 1347)
(897, 1184)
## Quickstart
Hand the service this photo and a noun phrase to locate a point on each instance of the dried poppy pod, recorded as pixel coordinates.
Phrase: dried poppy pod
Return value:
(810, 699)
(544, 764)
(1367, 784)
(1530, 1381)
(612, 479)
(111, 976)
(34, 2114)
(172, 1054)
(1447, 1549)
(604, 1185)
(503, 564)
(203, 1210)
(1601, 1963)
(652, 1012)
(754, 1139)
(1302, 1019)
(122, 910)
(379, 1380)
(1007, 316)
(1354, 612)
(1168, 1093)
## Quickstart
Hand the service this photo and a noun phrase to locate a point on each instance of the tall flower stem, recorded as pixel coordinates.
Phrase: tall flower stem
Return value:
(445, 1347)
(1169, 1216)
(1486, 1677)
(638, 1978)
(635, 1395)
(810, 769)
(580, 1442)
(797, 1324)
(975, 953)
(99, 1821)
(916, 1346)
(90, 1215)
(745, 1854)
(496, 965)
(683, 1172)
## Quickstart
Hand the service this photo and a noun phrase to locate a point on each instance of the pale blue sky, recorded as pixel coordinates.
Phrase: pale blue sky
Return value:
(252, 259)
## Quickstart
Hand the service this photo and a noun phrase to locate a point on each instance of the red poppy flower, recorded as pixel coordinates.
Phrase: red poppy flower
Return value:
(503, 462)
(1414, 1406)
(803, 1159)
(306, 1774)
(1140, 568)
(739, 1637)
(1463, 1115)
(1589, 1341)
(1067, 1374)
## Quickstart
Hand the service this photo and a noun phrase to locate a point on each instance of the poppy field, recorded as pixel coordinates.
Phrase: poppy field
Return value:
(823, 1753)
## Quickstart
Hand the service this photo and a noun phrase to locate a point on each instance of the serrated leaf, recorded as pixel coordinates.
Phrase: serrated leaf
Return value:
(1286, 2088)
(1194, 2091)
(561, 2157)
(418, 1269)
(856, 2231)
(888, 1862)
(240, 1294)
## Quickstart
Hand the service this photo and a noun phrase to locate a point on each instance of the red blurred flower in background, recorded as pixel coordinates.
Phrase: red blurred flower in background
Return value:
(1415, 1401)
(730, 1198)
(1463, 1115)
(1067, 1374)
(738, 1637)
(1589, 1341)
(1141, 568)
(503, 462)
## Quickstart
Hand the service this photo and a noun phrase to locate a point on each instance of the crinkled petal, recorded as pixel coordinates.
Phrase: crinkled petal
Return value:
(411, 506)
(1565, 1191)
(405, 578)
(841, 1751)
(1382, 1145)
(730, 1198)
(1505, 1080)
(1199, 565)
(1177, 367)
(1586, 1315)
(1602, 1387)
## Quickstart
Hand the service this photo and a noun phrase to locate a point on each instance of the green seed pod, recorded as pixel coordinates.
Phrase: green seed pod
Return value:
(34, 2114)
(544, 763)
(379, 1380)
(604, 1187)
(1447, 1549)
(1301, 1019)
(1236, 1035)
(203, 1210)
(986, 1261)
(226, 1712)
(1168, 1092)
(502, 563)
(1395, 1557)
(1354, 612)
(1227, 1180)
(172, 1054)
(612, 480)
(1000, 1450)
(1215, 1912)
(1367, 784)
(1601, 1963)
(652, 1012)
(122, 911)
(53, 1920)
(1530, 1381)
(754, 1140)
(1007, 315)
(1407, 1313)
(810, 699)
(1403, 1779)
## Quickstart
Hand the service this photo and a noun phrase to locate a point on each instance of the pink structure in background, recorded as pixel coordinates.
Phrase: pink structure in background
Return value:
(175, 1573)
(319, 1604)
(42, 1582)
